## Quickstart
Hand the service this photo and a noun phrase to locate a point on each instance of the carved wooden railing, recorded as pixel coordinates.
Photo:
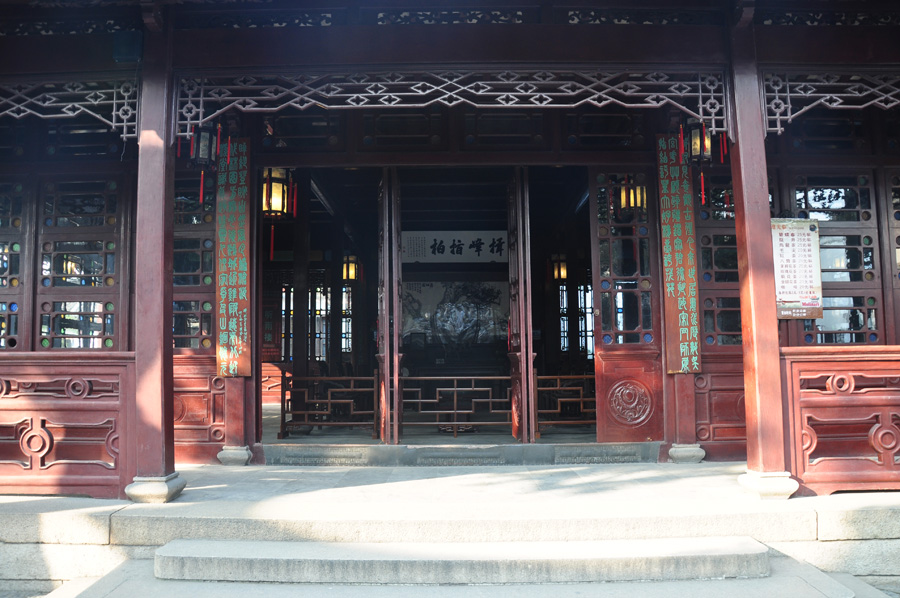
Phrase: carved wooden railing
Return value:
(456, 403)
(566, 400)
(64, 423)
(844, 411)
(317, 401)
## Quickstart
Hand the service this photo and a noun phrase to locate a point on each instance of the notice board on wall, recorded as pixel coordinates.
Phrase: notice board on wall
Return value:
(798, 270)
(676, 211)
(233, 262)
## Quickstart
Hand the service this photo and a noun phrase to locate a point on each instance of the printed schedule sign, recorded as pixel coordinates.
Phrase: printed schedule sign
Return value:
(679, 258)
(232, 263)
(798, 272)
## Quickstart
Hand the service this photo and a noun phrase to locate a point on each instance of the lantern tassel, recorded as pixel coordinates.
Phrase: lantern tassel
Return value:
(295, 200)
(202, 174)
(192, 142)
(721, 148)
(229, 149)
(272, 244)
(702, 190)
(680, 144)
(219, 139)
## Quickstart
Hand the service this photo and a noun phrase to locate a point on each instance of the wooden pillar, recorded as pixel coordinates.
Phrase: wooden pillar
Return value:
(152, 427)
(300, 325)
(766, 452)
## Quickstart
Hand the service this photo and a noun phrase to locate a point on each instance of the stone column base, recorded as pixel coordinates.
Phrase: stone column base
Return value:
(769, 484)
(156, 490)
(686, 453)
(234, 455)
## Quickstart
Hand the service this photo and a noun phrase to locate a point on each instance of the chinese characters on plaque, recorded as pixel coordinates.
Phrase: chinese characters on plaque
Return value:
(232, 263)
(798, 272)
(454, 246)
(679, 262)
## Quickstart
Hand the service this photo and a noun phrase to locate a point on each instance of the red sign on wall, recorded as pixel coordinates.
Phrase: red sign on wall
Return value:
(232, 262)
(676, 205)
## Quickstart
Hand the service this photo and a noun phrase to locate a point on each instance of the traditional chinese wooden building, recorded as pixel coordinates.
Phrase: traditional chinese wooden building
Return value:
(402, 219)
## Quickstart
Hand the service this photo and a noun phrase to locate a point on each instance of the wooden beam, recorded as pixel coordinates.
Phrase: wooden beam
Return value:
(325, 47)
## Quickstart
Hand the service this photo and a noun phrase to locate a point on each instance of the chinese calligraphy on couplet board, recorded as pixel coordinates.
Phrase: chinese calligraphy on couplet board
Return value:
(232, 263)
(679, 258)
(454, 246)
(798, 272)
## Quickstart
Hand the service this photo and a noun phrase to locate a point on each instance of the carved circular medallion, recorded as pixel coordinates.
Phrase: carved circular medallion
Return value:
(36, 441)
(884, 438)
(178, 409)
(218, 383)
(630, 402)
(78, 388)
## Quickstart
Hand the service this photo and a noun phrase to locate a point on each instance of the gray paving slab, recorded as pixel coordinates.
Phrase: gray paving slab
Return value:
(789, 579)
(462, 563)
(56, 519)
(577, 502)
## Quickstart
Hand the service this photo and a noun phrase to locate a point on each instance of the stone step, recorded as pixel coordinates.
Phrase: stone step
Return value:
(462, 563)
(381, 455)
(788, 579)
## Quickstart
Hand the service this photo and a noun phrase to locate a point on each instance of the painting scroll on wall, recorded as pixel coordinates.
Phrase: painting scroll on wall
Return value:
(455, 315)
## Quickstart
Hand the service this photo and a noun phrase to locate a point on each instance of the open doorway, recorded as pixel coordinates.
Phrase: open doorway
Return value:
(458, 297)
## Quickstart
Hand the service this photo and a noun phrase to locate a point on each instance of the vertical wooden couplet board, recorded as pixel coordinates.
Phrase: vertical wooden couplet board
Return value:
(390, 399)
(232, 263)
(676, 206)
(521, 346)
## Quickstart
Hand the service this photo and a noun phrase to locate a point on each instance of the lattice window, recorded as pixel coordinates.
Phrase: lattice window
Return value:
(192, 327)
(11, 237)
(844, 206)
(586, 320)
(319, 316)
(9, 324)
(894, 220)
(193, 263)
(287, 319)
(81, 256)
(721, 318)
(624, 259)
(563, 317)
(347, 320)
(718, 260)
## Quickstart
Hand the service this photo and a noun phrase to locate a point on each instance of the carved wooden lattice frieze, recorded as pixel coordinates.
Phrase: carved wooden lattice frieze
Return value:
(810, 18)
(788, 95)
(596, 16)
(114, 103)
(701, 95)
(66, 26)
(450, 17)
(277, 19)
